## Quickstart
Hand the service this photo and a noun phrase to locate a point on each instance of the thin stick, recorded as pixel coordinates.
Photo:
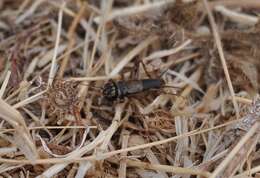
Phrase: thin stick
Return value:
(123, 164)
(248, 172)
(29, 100)
(134, 10)
(236, 3)
(166, 168)
(172, 63)
(132, 54)
(71, 38)
(128, 11)
(242, 100)
(3, 87)
(51, 127)
(112, 153)
(29, 12)
(92, 78)
(235, 150)
(54, 62)
(168, 52)
(91, 61)
(221, 55)
(17, 121)
(239, 17)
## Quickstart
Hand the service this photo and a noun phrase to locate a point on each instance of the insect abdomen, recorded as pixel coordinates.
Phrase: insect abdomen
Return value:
(151, 83)
(128, 87)
(136, 86)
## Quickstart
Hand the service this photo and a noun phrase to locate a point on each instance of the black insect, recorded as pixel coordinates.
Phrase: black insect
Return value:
(118, 90)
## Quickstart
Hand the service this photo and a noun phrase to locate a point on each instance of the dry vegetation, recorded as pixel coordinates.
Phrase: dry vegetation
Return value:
(55, 57)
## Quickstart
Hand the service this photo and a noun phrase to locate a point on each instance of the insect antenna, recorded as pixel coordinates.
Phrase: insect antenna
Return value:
(167, 86)
(163, 73)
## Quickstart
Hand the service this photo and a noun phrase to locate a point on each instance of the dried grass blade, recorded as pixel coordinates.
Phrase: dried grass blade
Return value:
(3, 87)
(22, 137)
(166, 168)
(71, 39)
(242, 18)
(54, 62)
(221, 55)
(132, 54)
(235, 150)
(168, 52)
(135, 9)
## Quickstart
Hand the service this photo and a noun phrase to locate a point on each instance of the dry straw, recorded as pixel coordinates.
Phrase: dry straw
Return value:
(57, 56)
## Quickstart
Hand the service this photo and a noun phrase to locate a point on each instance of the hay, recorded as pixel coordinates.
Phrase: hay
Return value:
(56, 56)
